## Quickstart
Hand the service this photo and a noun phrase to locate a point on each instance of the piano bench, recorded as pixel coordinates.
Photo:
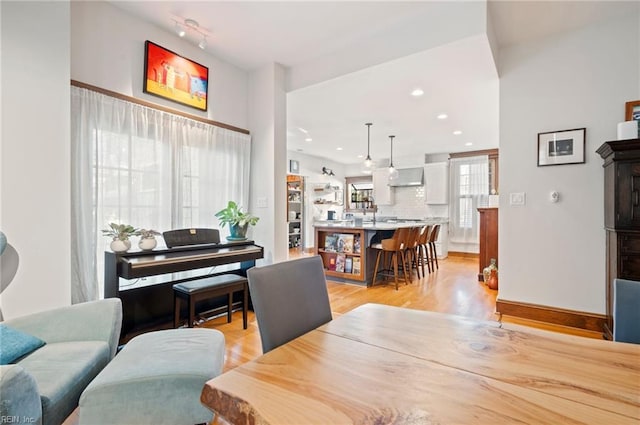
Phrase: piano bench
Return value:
(201, 289)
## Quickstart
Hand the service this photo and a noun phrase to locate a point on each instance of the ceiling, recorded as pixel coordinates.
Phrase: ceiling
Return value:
(355, 62)
(335, 112)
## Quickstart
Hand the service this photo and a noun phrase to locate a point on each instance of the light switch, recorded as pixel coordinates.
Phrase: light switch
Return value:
(517, 198)
(262, 202)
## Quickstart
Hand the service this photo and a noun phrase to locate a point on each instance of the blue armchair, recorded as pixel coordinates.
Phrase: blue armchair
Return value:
(44, 386)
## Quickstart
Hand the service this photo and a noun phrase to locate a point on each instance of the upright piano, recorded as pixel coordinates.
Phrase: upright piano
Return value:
(144, 280)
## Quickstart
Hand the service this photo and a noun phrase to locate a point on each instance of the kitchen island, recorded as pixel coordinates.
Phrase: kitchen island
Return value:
(346, 250)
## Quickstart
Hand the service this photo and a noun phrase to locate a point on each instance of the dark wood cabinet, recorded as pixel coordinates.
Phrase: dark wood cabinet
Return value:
(621, 216)
(488, 238)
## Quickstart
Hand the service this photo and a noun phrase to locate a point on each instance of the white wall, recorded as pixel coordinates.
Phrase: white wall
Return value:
(95, 43)
(107, 50)
(267, 117)
(35, 168)
(554, 254)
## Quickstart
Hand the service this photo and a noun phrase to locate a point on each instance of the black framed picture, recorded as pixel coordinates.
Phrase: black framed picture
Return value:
(174, 77)
(561, 147)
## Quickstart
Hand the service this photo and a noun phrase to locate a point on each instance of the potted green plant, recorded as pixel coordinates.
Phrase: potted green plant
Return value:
(120, 234)
(147, 239)
(237, 220)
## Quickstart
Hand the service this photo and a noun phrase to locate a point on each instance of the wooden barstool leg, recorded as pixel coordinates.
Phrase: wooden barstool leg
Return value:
(435, 255)
(375, 270)
(432, 251)
(229, 306)
(426, 256)
(404, 268)
(394, 258)
(414, 253)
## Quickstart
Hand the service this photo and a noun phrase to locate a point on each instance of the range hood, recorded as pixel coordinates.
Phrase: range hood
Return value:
(409, 177)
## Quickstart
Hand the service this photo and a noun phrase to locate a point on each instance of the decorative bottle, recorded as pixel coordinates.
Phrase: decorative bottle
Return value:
(486, 272)
(493, 279)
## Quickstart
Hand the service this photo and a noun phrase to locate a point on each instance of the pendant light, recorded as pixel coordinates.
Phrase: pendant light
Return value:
(393, 173)
(368, 163)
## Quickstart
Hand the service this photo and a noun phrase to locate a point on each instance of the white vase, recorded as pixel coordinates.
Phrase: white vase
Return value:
(147, 244)
(118, 245)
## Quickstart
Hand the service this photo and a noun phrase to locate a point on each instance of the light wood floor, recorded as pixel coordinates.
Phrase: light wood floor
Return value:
(452, 289)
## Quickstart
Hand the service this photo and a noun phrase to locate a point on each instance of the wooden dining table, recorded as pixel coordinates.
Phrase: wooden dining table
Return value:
(379, 364)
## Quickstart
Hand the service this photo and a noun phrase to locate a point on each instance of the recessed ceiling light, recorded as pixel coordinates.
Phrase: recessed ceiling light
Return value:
(303, 130)
(338, 149)
(442, 116)
(457, 132)
(417, 92)
(308, 139)
(360, 156)
(468, 144)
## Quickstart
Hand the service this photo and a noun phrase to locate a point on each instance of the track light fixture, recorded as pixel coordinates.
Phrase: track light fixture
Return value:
(203, 42)
(180, 30)
(327, 172)
(191, 25)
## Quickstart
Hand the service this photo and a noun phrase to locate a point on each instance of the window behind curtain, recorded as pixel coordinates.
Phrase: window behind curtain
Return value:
(469, 187)
(148, 168)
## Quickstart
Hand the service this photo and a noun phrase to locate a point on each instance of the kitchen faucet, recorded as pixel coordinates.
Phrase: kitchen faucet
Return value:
(374, 207)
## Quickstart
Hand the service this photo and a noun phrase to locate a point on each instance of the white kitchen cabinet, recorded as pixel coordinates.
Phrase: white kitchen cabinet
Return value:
(436, 181)
(382, 192)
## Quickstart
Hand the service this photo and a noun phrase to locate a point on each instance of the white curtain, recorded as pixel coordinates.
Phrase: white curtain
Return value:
(151, 169)
(469, 189)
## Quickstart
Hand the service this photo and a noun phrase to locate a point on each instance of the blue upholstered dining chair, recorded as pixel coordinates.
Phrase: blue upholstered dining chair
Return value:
(289, 299)
(626, 311)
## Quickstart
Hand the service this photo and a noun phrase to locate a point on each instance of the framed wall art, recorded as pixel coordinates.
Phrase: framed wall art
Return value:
(294, 166)
(632, 111)
(174, 77)
(561, 147)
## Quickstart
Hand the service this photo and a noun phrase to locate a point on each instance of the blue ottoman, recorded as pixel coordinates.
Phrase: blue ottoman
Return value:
(156, 379)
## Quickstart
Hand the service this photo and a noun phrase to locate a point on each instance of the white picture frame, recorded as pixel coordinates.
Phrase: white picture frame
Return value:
(294, 166)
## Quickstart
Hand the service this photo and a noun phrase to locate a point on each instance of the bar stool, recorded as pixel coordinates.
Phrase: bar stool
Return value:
(410, 248)
(433, 237)
(423, 249)
(393, 246)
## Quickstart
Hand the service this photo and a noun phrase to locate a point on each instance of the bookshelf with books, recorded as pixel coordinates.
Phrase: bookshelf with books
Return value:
(341, 254)
(295, 211)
